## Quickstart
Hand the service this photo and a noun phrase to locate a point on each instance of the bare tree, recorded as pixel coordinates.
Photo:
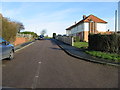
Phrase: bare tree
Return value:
(20, 26)
(43, 32)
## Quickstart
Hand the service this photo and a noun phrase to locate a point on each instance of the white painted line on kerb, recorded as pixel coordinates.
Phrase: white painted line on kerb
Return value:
(24, 47)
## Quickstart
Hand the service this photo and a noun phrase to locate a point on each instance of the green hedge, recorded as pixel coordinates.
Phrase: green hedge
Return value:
(28, 32)
(106, 43)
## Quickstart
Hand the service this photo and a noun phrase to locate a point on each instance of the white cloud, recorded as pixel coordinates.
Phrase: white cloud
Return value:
(14, 13)
(51, 27)
(53, 16)
(11, 13)
(54, 23)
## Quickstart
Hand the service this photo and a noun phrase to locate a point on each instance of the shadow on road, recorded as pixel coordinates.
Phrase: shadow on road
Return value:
(52, 41)
(55, 48)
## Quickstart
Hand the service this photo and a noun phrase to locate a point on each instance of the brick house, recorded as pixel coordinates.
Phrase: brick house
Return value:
(89, 24)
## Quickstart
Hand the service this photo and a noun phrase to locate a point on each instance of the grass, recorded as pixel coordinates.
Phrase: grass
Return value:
(47, 37)
(104, 55)
(99, 54)
(81, 44)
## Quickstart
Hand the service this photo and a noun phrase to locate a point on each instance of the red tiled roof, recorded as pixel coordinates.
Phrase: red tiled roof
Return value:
(87, 19)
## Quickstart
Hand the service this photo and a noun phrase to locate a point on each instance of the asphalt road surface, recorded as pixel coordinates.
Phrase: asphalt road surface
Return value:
(44, 65)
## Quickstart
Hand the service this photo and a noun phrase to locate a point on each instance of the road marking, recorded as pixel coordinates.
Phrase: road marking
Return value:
(24, 47)
(36, 76)
(34, 84)
(39, 62)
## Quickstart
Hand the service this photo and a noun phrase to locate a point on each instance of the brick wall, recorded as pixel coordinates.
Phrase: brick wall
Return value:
(20, 40)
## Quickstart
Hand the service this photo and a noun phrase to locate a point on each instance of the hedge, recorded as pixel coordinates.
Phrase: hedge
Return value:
(107, 43)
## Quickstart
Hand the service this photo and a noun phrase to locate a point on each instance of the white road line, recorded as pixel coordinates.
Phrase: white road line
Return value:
(34, 84)
(39, 62)
(24, 47)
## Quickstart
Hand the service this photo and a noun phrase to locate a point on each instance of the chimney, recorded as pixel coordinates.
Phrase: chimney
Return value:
(84, 16)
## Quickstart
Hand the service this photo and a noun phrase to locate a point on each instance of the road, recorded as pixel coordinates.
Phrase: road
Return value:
(44, 65)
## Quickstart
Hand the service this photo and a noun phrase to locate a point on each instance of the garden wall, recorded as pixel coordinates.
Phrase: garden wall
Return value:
(66, 39)
(20, 40)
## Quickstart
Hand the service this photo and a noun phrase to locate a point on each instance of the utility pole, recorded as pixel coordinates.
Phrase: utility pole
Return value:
(119, 16)
(115, 21)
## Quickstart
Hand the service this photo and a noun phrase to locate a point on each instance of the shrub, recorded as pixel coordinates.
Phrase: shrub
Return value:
(9, 28)
(104, 55)
(107, 43)
(28, 32)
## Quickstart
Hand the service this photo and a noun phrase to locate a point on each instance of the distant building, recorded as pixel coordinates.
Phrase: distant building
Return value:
(119, 16)
(89, 24)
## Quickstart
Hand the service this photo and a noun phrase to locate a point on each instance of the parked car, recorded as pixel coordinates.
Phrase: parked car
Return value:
(64, 35)
(6, 50)
(59, 35)
(41, 37)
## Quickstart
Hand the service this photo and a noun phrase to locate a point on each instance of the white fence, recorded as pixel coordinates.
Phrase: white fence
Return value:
(66, 39)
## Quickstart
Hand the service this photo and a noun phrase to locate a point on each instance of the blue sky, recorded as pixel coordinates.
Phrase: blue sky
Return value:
(57, 16)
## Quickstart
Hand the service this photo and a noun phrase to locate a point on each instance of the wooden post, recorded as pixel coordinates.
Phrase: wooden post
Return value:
(72, 41)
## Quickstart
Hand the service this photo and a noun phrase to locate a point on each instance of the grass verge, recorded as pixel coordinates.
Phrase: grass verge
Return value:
(99, 54)
(47, 37)
(81, 44)
(104, 55)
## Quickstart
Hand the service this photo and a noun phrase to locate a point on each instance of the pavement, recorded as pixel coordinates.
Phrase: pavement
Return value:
(79, 53)
(23, 45)
(45, 65)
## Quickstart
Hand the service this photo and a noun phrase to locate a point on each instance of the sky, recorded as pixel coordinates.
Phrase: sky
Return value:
(55, 17)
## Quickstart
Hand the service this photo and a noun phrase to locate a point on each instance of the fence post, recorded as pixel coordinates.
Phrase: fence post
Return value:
(72, 41)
